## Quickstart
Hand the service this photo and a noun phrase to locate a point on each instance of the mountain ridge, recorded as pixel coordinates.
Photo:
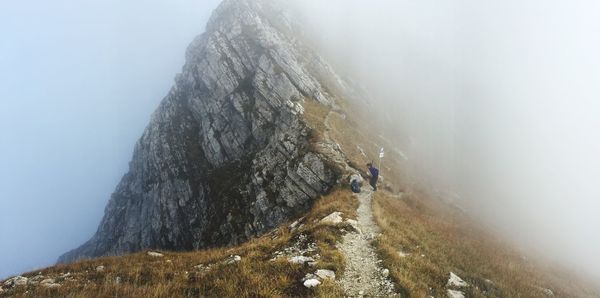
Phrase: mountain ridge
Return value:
(227, 155)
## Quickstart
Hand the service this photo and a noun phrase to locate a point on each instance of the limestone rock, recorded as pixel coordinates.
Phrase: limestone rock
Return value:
(455, 294)
(455, 281)
(311, 283)
(227, 155)
(16, 281)
(333, 218)
(325, 274)
(300, 260)
(155, 254)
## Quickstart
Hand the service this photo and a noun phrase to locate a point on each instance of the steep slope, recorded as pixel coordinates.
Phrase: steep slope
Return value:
(227, 155)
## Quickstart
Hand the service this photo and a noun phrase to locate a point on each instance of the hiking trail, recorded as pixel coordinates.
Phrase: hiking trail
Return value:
(364, 276)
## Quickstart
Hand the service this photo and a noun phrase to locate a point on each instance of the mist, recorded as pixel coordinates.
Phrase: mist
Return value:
(497, 102)
(79, 82)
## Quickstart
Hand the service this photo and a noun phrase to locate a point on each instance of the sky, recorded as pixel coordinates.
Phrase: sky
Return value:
(498, 102)
(79, 81)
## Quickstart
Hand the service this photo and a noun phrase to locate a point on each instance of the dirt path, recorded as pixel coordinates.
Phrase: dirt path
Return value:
(363, 275)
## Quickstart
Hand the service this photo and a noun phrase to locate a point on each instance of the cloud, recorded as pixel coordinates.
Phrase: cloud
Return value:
(497, 101)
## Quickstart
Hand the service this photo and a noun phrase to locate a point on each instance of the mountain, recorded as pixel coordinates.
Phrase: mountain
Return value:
(228, 154)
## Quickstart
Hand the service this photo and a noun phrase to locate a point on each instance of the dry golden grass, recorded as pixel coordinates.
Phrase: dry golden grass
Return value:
(174, 274)
(314, 116)
(439, 241)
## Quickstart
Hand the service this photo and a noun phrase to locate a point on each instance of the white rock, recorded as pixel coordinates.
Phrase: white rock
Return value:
(52, 285)
(333, 218)
(155, 254)
(232, 260)
(325, 274)
(48, 281)
(455, 281)
(385, 272)
(16, 281)
(354, 225)
(309, 276)
(311, 283)
(455, 294)
(403, 254)
(294, 224)
(361, 293)
(100, 269)
(300, 260)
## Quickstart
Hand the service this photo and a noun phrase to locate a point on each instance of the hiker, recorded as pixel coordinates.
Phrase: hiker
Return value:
(374, 175)
(356, 182)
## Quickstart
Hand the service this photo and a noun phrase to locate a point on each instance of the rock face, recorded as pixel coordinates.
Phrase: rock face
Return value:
(227, 154)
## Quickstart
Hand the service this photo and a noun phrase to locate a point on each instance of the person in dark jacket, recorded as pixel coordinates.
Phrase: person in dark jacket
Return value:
(374, 176)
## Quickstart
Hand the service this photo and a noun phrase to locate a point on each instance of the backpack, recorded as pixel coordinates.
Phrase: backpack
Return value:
(355, 186)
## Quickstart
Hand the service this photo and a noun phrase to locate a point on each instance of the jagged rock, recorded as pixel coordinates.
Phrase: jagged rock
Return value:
(311, 283)
(232, 260)
(455, 294)
(325, 274)
(16, 281)
(100, 269)
(455, 281)
(155, 254)
(300, 260)
(227, 155)
(333, 218)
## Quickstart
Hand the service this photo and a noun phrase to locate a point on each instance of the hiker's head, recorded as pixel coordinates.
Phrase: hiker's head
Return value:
(369, 165)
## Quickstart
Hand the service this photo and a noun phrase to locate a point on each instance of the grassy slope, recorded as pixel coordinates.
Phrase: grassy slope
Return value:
(174, 274)
(419, 225)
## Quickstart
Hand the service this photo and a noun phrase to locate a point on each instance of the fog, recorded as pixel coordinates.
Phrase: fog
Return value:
(496, 101)
(79, 81)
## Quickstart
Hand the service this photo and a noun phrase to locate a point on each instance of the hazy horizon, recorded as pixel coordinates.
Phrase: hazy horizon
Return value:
(80, 81)
(500, 103)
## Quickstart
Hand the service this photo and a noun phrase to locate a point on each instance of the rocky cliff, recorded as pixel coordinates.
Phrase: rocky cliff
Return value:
(227, 154)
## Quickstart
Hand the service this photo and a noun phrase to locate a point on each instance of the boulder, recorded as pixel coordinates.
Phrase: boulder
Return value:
(333, 218)
(325, 274)
(155, 254)
(232, 260)
(311, 283)
(455, 281)
(16, 281)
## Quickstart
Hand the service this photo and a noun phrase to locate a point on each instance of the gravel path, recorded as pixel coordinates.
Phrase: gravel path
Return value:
(363, 276)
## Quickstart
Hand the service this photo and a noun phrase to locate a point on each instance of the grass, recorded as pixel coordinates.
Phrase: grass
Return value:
(174, 275)
(438, 240)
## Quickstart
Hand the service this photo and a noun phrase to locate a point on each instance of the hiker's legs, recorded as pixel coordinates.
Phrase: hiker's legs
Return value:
(373, 183)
